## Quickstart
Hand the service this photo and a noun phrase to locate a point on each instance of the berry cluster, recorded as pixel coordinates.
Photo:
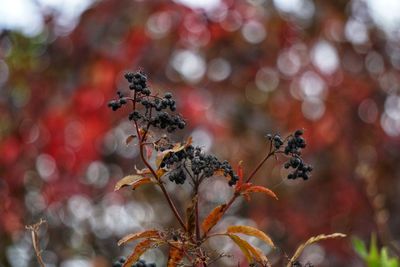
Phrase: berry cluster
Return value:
(140, 263)
(153, 111)
(294, 144)
(199, 164)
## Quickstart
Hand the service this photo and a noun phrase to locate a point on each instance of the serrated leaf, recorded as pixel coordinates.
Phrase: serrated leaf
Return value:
(260, 189)
(311, 241)
(360, 247)
(248, 230)
(191, 215)
(132, 180)
(129, 139)
(175, 256)
(212, 218)
(135, 236)
(140, 248)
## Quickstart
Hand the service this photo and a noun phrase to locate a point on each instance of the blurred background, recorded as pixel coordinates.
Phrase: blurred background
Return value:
(240, 70)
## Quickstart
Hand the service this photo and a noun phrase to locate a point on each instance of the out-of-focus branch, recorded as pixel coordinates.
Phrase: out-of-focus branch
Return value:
(34, 228)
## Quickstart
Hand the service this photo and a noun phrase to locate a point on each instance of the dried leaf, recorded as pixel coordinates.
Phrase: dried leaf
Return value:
(130, 139)
(140, 248)
(142, 182)
(248, 230)
(132, 180)
(134, 236)
(310, 241)
(175, 256)
(249, 251)
(261, 189)
(191, 215)
(142, 171)
(243, 245)
(213, 218)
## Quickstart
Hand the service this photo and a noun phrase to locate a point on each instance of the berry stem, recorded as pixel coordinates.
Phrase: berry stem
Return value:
(167, 196)
(237, 194)
(271, 153)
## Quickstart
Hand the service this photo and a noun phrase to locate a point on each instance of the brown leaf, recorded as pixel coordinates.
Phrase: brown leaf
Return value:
(175, 256)
(140, 248)
(130, 139)
(248, 230)
(213, 218)
(132, 180)
(310, 241)
(134, 236)
(191, 216)
(261, 189)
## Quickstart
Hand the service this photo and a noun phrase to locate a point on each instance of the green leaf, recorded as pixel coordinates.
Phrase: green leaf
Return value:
(373, 259)
(359, 247)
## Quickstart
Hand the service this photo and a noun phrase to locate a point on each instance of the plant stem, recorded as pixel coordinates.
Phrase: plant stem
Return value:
(167, 196)
(237, 194)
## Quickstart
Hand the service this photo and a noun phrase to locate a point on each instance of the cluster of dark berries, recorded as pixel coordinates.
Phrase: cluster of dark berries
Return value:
(116, 104)
(294, 144)
(200, 164)
(138, 82)
(153, 111)
(140, 263)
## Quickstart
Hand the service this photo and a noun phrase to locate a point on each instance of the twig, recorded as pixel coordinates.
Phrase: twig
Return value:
(34, 228)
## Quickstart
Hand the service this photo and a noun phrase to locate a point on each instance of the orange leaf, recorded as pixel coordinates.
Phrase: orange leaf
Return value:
(243, 245)
(140, 248)
(248, 230)
(213, 218)
(132, 180)
(249, 251)
(175, 256)
(261, 189)
(134, 236)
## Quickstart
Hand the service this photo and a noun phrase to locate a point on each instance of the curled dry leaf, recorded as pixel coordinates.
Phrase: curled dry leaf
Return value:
(248, 230)
(309, 242)
(251, 253)
(140, 248)
(134, 236)
(260, 189)
(132, 180)
(212, 218)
